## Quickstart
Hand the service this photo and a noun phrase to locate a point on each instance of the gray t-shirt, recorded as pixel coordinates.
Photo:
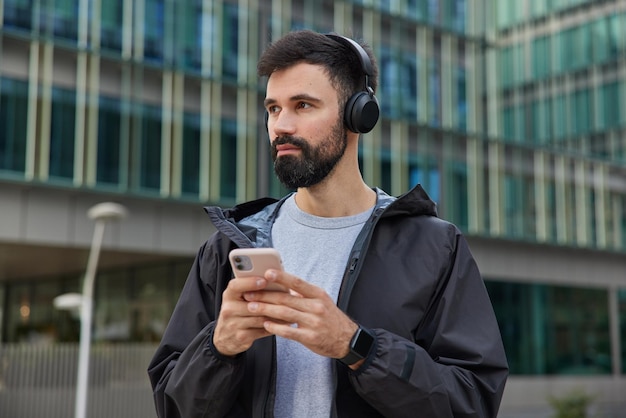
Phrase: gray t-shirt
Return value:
(317, 250)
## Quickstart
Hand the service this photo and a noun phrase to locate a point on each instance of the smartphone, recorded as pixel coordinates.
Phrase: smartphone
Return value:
(253, 262)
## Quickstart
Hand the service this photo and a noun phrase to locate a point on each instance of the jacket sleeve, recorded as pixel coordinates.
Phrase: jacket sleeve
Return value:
(455, 366)
(188, 376)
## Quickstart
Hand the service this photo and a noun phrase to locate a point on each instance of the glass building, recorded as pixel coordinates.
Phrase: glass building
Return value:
(512, 115)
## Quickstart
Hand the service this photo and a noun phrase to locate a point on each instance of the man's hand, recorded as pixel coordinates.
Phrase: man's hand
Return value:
(237, 327)
(306, 315)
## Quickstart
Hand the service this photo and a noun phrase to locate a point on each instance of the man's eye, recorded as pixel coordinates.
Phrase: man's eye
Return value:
(303, 105)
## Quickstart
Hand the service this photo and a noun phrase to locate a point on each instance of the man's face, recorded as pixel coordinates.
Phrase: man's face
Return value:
(305, 125)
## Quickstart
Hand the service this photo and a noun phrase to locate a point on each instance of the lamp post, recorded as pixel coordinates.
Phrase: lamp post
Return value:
(100, 213)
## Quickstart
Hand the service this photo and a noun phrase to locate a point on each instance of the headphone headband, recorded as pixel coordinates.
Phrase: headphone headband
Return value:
(366, 63)
(362, 111)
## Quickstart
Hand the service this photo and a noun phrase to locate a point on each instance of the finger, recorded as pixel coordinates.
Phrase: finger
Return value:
(300, 286)
(237, 286)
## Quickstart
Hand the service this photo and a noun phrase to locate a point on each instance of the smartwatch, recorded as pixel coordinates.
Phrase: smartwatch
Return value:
(360, 345)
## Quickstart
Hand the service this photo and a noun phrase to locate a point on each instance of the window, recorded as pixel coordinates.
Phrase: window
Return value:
(425, 172)
(191, 154)
(542, 121)
(188, 34)
(112, 308)
(610, 105)
(149, 309)
(454, 12)
(600, 46)
(616, 40)
(559, 114)
(434, 92)
(109, 137)
(582, 110)
(61, 159)
(149, 155)
(461, 105)
(385, 170)
(154, 30)
(506, 67)
(456, 208)
(230, 46)
(621, 297)
(541, 57)
(112, 21)
(554, 330)
(13, 119)
(65, 18)
(228, 160)
(18, 14)
(508, 123)
(389, 84)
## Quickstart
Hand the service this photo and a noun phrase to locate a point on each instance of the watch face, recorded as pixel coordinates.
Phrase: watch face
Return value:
(363, 343)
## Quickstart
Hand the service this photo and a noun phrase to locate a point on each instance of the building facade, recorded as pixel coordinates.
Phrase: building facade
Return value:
(512, 116)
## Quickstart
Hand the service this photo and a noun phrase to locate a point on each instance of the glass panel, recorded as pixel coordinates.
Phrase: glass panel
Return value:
(600, 45)
(150, 149)
(188, 40)
(418, 9)
(408, 77)
(506, 67)
(109, 134)
(461, 105)
(112, 307)
(554, 330)
(621, 297)
(230, 41)
(539, 7)
(19, 324)
(65, 19)
(425, 172)
(389, 85)
(62, 133)
(609, 97)
(150, 308)
(542, 121)
(385, 170)
(457, 207)
(559, 117)
(112, 21)
(434, 89)
(13, 119)
(18, 14)
(228, 160)
(2, 309)
(191, 154)
(616, 41)
(508, 123)
(541, 57)
(582, 109)
(154, 30)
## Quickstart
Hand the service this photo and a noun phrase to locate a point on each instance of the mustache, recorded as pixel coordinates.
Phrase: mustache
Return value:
(288, 139)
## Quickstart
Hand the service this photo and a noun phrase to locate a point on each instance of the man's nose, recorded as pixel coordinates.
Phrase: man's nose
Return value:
(284, 123)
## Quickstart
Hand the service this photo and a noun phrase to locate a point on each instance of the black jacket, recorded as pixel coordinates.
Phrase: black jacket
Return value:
(411, 279)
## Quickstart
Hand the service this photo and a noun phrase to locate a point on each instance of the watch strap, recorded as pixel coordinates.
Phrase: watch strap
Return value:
(360, 346)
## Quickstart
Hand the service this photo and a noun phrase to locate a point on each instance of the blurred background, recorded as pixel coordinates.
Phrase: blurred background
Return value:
(512, 115)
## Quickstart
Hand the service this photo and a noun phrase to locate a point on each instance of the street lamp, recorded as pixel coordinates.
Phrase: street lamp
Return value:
(100, 213)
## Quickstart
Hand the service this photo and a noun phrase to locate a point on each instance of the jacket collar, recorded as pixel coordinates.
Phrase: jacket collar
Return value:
(250, 224)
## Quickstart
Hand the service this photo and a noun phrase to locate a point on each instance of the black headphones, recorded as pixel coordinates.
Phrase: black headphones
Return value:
(362, 111)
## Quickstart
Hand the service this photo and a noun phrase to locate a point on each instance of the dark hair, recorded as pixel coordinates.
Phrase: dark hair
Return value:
(340, 62)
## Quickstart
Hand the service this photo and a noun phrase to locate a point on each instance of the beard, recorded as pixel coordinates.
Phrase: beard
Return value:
(314, 163)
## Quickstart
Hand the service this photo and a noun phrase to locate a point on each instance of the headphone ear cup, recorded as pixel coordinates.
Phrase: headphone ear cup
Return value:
(361, 112)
